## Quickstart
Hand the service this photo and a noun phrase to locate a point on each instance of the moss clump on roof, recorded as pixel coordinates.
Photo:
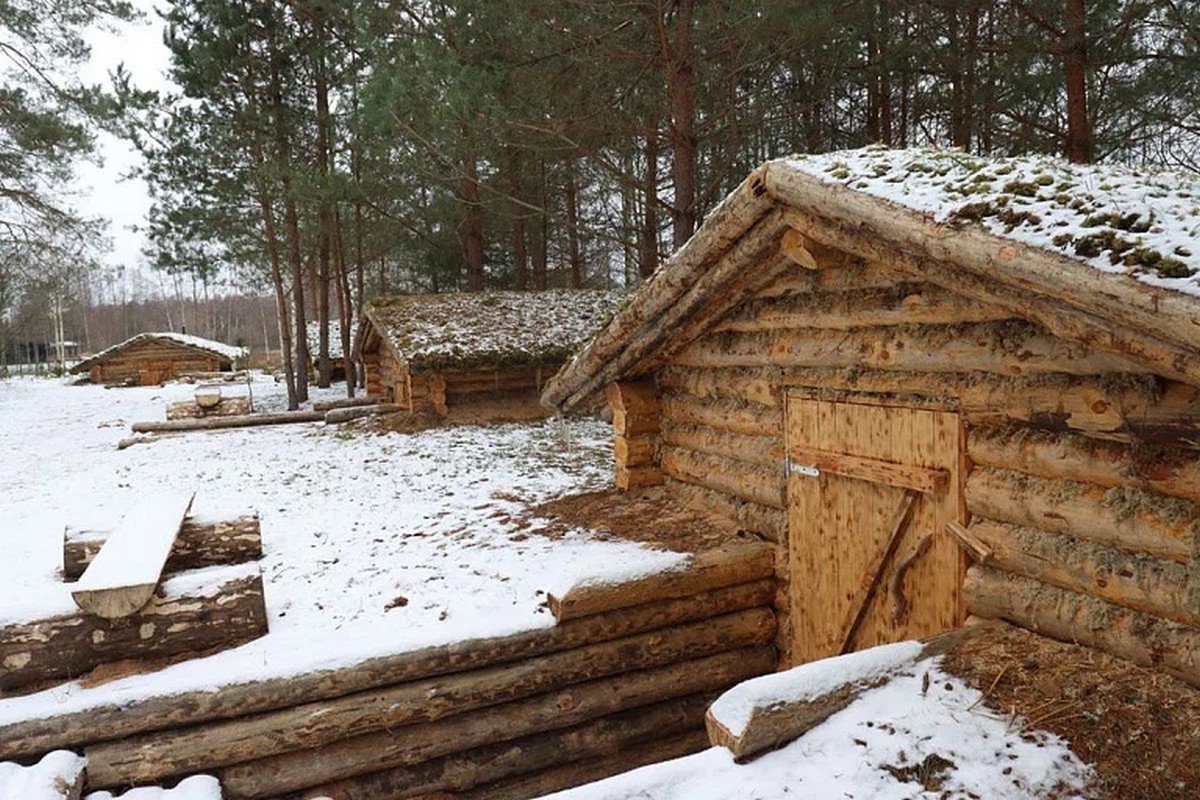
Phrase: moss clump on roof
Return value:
(1140, 222)
(489, 329)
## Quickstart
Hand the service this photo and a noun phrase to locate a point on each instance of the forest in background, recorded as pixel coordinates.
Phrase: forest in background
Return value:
(329, 151)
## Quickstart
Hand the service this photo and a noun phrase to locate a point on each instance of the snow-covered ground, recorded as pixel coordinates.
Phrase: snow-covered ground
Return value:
(374, 543)
(901, 741)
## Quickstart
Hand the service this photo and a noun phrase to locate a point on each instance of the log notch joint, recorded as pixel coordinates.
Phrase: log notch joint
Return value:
(637, 425)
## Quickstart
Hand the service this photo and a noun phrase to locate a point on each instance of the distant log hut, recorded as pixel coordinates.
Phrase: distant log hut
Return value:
(337, 363)
(149, 359)
(942, 386)
(427, 353)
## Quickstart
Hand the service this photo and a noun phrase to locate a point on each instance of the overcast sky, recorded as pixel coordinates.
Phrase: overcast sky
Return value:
(103, 191)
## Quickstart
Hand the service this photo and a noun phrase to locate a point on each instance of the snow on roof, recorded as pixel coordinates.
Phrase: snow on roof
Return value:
(216, 348)
(490, 328)
(1140, 222)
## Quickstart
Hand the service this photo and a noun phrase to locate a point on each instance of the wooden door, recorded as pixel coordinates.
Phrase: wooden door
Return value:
(871, 487)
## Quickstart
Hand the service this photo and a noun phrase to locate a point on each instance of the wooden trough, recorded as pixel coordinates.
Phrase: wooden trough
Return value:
(623, 678)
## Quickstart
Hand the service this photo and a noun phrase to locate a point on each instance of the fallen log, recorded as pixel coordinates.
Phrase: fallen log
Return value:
(1071, 617)
(381, 751)
(200, 543)
(1140, 582)
(1120, 516)
(769, 711)
(345, 402)
(221, 423)
(194, 612)
(577, 773)
(122, 577)
(118, 720)
(149, 758)
(705, 571)
(336, 416)
(682, 717)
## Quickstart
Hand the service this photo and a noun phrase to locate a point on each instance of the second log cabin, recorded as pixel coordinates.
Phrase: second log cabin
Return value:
(427, 353)
(941, 386)
(149, 359)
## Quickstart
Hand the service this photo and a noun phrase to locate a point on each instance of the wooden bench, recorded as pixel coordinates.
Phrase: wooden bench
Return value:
(122, 578)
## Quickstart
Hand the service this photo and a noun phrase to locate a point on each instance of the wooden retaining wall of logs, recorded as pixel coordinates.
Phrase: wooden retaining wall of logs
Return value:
(1086, 464)
(623, 678)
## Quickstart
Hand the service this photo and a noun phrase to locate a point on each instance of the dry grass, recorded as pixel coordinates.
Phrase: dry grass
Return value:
(1140, 729)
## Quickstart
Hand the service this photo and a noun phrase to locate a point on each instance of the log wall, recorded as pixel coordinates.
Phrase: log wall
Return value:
(153, 361)
(1086, 477)
(624, 678)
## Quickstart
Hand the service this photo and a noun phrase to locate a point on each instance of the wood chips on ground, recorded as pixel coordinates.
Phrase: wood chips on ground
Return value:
(647, 515)
(1139, 728)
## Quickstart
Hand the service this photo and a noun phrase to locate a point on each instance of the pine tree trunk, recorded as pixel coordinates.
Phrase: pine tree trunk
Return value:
(540, 233)
(681, 93)
(520, 249)
(648, 241)
(324, 136)
(474, 216)
(572, 200)
(1079, 135)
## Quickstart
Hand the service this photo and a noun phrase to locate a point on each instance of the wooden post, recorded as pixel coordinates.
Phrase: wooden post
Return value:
(636, 422)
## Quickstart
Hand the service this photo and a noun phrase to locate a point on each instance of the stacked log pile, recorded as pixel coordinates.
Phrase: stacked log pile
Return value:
(208, 596)
(636, 422)
(1086, 460)
(626, 676)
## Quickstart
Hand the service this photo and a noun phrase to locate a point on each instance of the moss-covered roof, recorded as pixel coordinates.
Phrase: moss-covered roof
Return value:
(1140, 222)
(481, 329)
(219, 350)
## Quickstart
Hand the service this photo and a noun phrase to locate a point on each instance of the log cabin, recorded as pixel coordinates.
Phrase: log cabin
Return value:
(149, 359)
(430, 352)
(941, 386)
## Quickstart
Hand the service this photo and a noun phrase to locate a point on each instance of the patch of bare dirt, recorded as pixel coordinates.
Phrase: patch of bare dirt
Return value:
(1139, 728)
(514, 407)
(646, 515)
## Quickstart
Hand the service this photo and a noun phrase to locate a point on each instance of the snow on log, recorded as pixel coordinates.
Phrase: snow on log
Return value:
(149, 758)
(200, 543)
(335, 416)
(637, 730)
(116, 720)
(57, 776)
(771, 710)
(197, 787)
(705, 571)
(217, 423)
(122, 577)
(1072, 617)
(204, 610)
(576, 704)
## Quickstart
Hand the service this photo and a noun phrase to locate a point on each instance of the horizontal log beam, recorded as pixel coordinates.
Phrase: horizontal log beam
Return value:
(633, 397)
(911, 303)
(770, 523)
(761, 451)
(466, 771)
(852, 274)
(1142, 583)
(1123, 517)
(181, 621)
(730, 415)
(152, 757)
(1170, 471)
(582, 702)
(1004, 348)
(704, 572)
(1071, 617)
(638, 477)
(118, 720)
(760, 485)
(200, 543)
(760, 385)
